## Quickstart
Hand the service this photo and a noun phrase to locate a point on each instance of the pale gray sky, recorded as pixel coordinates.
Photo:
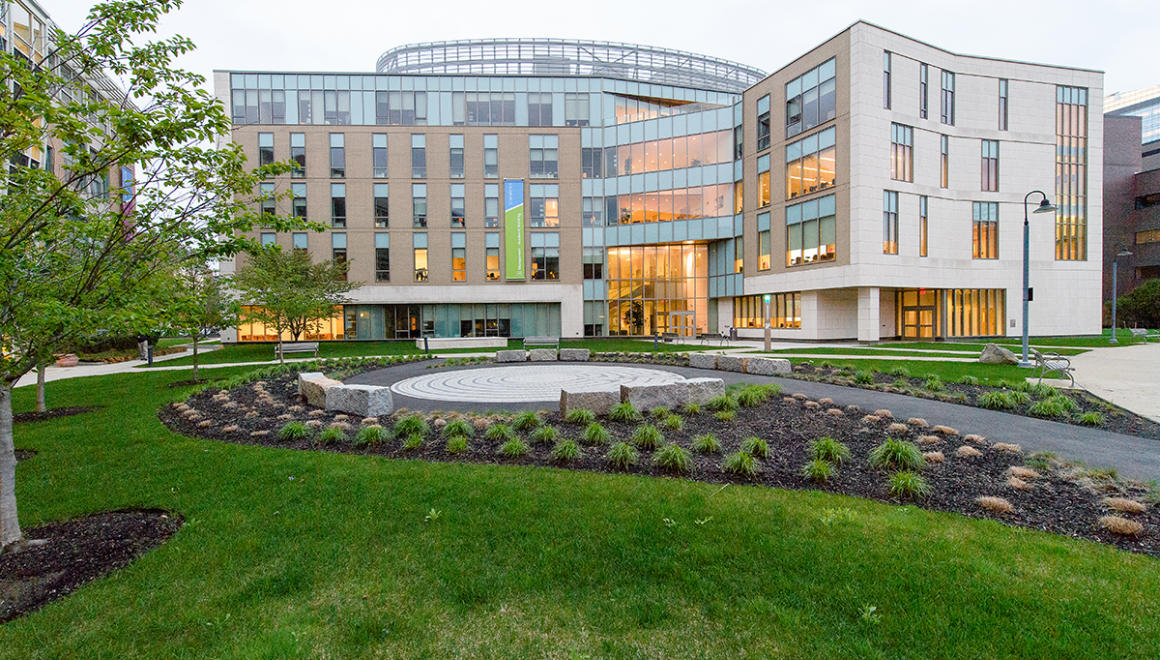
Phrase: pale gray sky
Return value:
(1114, 36)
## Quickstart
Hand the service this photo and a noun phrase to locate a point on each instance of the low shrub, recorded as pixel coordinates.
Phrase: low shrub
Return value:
(830, 450)
(900, 371)
(933, 384)
(659, 412)
(458, 427)
(1042, 391)
(897, 454)
(673, 423)
(566, 450)
(545, 435)
(580, 416)
(622, 456)
(673, 458)
(752, 396)
(722, 402)
(647, 437)
(331, 435)
(909, 485)
(996, 400)
(499, 433)
(625, 412)
(412, 425)
(864, 377)
(969, 380)
(292, 432)
(901, 383)
(413, 441)
(595, 434)
(706, 444)
(456, 444)
(514, 448)
(1093, 418)
(370, 435)
(690, 409)
(1048, 408)
(755, 447)
(740, 463)
(818, 470)
(725, 415)
(526, 421)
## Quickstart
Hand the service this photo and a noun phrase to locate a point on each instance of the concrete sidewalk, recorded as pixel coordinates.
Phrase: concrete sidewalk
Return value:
(1128, 376)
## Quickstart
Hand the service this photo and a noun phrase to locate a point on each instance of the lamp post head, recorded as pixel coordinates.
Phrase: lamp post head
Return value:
(1045, 206)
(1124, 253)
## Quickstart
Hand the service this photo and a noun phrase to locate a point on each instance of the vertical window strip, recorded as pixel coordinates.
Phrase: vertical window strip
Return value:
(890, 222)
(1002, 104)
(922, 226)
(886, 80)
(923, 89)
(944, 161)
(1071, 179)
(948, 98)
(985, 230)
(901, 152)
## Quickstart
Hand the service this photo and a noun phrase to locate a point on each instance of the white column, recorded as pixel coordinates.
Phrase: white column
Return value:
(869, 309)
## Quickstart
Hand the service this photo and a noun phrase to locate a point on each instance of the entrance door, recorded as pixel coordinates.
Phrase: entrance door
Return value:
(683, 323)
(918, 313)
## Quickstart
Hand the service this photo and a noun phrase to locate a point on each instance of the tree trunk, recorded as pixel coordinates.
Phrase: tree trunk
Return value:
(40, 404)
(281, 355)
(9, 523)
(195, 336)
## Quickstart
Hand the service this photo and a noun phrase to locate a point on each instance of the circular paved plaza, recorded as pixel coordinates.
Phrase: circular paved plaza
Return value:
(526, 383)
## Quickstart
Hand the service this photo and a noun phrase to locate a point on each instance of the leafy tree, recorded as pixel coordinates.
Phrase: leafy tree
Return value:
(1141, 307)
(77, 256)
(197, 303)
(290, 293)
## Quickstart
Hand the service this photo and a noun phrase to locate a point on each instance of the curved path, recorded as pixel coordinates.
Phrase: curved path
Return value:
(526, 383)
(1132, 456)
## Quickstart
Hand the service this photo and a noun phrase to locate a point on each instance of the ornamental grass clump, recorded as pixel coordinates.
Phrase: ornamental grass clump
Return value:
(690, 409)
(864, 378)
(1121, 526)
(595, 434)
(1042, 391)
(1093, 418)
(818, 470)
(622, 456)
(331, 435)
(412, 425)
(706, 444)
(672, 423)
(458, 427)
(580, 416)
(909, 485)
(673, 458)
(722, 402)
(413, 441)
(740, 463)
(514, 448)
(755, 446)
(545, 435)
(751, 396)
(829, 450)
(933, 384)
(659, 412)
(996, 400)
(725, 415)
(994, 504)
(370, 435)
(526, 421)
(899, 371)
(625, 412)
(897, 454)
(565, 451)
(647, 437)
(499, 433)
(456, 444)
(292, 432)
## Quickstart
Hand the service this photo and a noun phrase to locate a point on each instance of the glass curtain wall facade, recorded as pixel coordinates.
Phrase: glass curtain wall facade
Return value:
(945, 313)
(662, 288)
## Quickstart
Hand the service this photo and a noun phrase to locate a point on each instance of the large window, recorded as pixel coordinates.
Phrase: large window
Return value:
(927, 313)
(1071, 121)
(491, 255)
(379, 155)
(576, 109)
(990, 166)
(419, 246)
(300, 240)
(890, 222)
(337, 156)
(901, 152)
(298, 191)
(985, 231)
(810, 229)
(265, 148)
(593, 263)
(490, 156)
(545, 249)
(539, 109)
(947, 115)
(491, 205)
(338, 250)
(658, 288)
(382, 257)
(455, 170)
(810, 99)
(668, 154)
(785, 311)
(763, 130)
(592, 212)
(665, 205)
(269, 203)
(544, 205)
(739, 255)
(543, 156)
(1002, 104)
(418, 205)
(338, 205)
(591, 158)
(458, 256)
(886, 80)
(269, 238)
(298, 155)
(418, 156)
(764, 261)
(810, 164)
(382, 206)
(763, 187)
(458, 205)
(923, 89)
(483, 108)
(401, 108)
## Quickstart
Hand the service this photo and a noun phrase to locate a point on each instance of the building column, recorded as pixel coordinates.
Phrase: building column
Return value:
(869, 309)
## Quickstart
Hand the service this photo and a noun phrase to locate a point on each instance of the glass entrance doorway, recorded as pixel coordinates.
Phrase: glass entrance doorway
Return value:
(918, 312)
(683, 323)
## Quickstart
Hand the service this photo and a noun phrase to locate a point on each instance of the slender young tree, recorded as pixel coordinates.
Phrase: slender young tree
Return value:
(77, 256)
(197, 303)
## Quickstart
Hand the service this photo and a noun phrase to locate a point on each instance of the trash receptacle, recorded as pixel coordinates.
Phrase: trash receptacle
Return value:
(732, 334)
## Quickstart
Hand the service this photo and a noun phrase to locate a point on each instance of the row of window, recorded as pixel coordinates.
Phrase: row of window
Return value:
(662, 206)
(984, 227)
(544, 249)
(785, 311)
(946, 92)
(543, 155)
(902, 158)
(657, 155)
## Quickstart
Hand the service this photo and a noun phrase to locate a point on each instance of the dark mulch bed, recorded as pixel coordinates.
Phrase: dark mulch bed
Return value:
(25, 454)
(187, 383)
(1115, 418)
(77, 552)
(1063, 499)
(53, 413)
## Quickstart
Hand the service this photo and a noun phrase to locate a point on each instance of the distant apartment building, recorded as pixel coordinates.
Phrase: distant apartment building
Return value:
(1145, 104)
(1131, 206)
(872, 188)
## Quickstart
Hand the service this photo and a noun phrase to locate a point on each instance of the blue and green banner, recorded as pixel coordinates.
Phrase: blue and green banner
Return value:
(513, 228)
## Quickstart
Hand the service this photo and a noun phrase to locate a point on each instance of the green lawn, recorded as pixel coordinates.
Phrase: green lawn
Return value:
(977, 347)
(290, 554)
(1123, 336)
(166, 342)
(838, 350)
(947, 371)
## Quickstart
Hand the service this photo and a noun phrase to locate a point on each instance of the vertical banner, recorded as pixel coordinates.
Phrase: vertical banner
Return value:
(513, 228)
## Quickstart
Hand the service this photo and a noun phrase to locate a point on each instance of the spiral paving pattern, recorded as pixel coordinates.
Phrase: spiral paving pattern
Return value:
(529, 383)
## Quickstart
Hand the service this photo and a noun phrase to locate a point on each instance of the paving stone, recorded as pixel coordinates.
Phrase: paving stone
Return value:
(732, 363)
(703, 360)
(362, 400)
(599, 402)
(574, 354)
(701, 390)
(646, 397)
(511, 356)
(314, 387)
(542, 355)
(763, 366)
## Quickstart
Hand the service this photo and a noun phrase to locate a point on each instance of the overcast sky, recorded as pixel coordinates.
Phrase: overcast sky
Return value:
(1114, 36)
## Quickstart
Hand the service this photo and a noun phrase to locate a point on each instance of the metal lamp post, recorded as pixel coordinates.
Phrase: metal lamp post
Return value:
(1044, 207)
(1116, 289)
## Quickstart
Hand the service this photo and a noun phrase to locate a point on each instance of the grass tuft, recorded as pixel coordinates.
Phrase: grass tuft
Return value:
(740, 463)
(499, 433)
(659, 412)
(864, 378)
(672, 422)
(514, 448)
(1022, 472)
(1121, 526)
(1093, 418)
(412, 425)
(545, 435)
(413, 441)
(292, 432)
(526, 421)
(625, 412)
(755, 446)
(994, 504)
(722, 402)
(725, 415)
(370, 435)
(690, 409)
(996, 400)
(909, 485)
(897, 454)
(1125, 505)
(331, 435)
(580, 416)
(647, 437)
(967, 451)
(595, 434)
(456, 444)
(565, 451)
(818, 470)
(706, 444)
(458, 427)
(622, 456)
(830, 450)
(673, 458)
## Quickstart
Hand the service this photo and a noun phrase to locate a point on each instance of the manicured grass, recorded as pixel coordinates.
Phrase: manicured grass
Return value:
(166, 342)
(630, 345)
(977, 347)
(946, 371)
(838, 350)
(289, 554)
(1123, 335)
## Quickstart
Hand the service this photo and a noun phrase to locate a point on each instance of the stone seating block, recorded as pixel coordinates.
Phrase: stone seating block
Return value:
(763, 366)
(732, 363)
(362, 400)
(646, 397)
(511, 356)
(314, 386)
(542, 355)
(703, 360)
(701, 390)
(599, 402)
(574, 354)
